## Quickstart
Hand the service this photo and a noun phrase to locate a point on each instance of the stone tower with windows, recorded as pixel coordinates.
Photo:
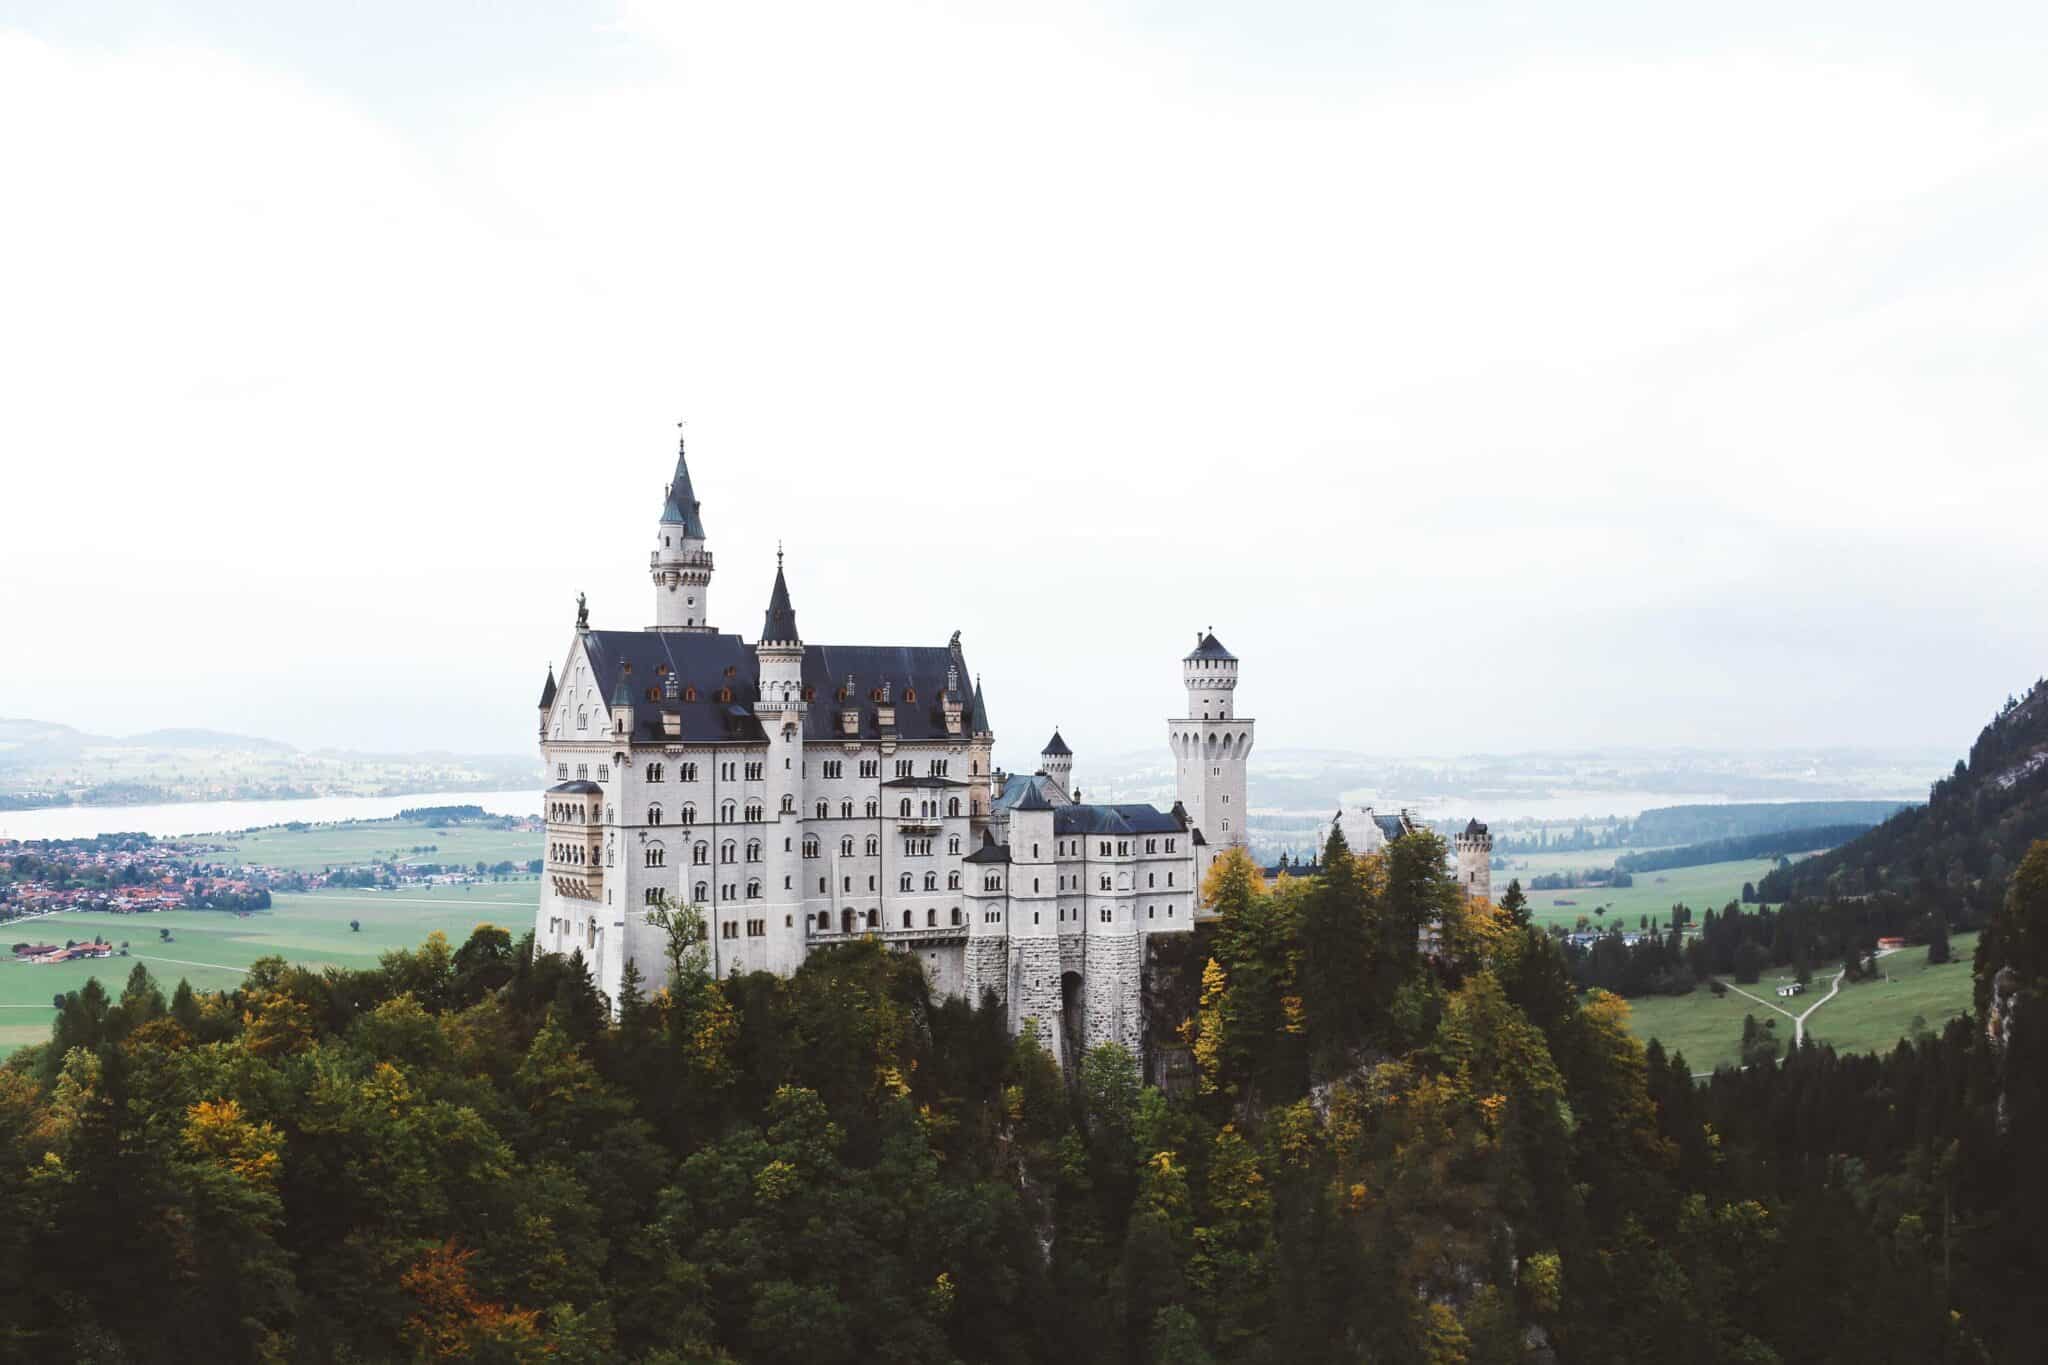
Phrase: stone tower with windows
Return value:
(1056, 761)
(680, 565)
(781, 707)
(1210, 745)
(1475, 862)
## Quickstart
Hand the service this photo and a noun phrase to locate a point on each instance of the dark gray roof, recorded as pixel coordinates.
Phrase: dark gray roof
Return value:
(1119, 819)
(547, 691)
(1391, 825)
(680, 504)
(978, 722)
(780, 621)
(1475, 828)
(1056, 747)
(1209, 647)
(576, 788)
(702, 661)
(1030, 798)
(989, 852)
(1015, 785)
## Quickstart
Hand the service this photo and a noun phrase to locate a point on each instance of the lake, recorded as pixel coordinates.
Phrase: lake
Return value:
(209, 817)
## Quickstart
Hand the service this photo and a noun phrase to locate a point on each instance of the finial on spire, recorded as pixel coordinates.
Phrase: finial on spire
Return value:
(778, 552)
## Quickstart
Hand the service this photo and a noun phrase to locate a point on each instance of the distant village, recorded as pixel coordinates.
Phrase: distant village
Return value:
(137, 874)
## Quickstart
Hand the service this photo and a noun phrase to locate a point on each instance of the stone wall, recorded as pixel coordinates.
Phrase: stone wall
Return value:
(1110, 979)
(1035, 989)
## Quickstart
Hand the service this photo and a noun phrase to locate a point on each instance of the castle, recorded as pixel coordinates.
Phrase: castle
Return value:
(801, 795)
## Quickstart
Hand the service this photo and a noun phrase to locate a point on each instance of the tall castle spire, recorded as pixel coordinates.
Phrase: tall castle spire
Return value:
(680, 565)
(780, 621)
(679, 505)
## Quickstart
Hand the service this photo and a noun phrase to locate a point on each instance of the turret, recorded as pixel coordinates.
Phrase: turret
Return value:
(1475, 862)
(1211, 744)
(781, 708)
(1210, 672)
(1056, 761)
(547, 700)
(680, 565)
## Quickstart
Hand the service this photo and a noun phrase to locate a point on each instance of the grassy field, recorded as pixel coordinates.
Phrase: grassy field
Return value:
(1872, 1015)
(1711, 885)
(1868, 1017)
(1706, 1029)
(212, 948)
(359, 842)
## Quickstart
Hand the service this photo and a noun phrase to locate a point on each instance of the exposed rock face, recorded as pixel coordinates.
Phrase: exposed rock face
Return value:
(1998, 1026)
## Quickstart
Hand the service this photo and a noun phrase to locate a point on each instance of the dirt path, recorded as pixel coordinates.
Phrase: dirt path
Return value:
(1799, 1020)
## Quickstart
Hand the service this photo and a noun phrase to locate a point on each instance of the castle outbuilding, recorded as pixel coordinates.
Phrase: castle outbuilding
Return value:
(800, 795)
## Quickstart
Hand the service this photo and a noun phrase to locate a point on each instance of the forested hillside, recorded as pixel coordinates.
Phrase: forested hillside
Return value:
(1380, 1156)
(1957, 852)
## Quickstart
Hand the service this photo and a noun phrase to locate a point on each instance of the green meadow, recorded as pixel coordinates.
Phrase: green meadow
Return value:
(360, 842)
(1871, 1016)
(212, 949)
(1709, 886)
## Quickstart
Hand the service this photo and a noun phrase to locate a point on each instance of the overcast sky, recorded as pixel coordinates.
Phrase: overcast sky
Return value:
(1490, 377)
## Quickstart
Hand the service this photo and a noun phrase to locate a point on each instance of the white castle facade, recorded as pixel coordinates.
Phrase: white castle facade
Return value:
(801, 795)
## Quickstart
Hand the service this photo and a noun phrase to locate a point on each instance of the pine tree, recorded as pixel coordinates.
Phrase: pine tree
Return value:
(1938, 950)
(1516, 904)
(1335, 955)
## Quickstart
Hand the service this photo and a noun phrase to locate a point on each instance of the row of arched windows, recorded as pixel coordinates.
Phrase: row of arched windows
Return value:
(931, 882)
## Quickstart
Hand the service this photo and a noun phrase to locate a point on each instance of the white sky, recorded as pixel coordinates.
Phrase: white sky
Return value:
(1486, 382)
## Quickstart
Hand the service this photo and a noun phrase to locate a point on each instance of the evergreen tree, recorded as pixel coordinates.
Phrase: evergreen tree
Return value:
(1335, 956)
(1516, 904)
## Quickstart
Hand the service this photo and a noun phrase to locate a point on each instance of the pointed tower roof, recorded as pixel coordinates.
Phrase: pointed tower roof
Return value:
(621, 695)
(1056, 747)
(1209, 647)
(547, 691)
(981, 725)
(780, 622)
(681, 507)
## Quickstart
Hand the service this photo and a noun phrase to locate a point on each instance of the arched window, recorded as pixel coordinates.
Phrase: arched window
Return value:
(753, 850)
(753, 814)
(931, 918)
(689, 814)
(953, 806)
(700, 853)
(654, 815)
(582, 719)
(846, 847)
(931, 881)
(753, 891)
(655, 855)
(903, 882)
(874, 808)
(903, 808)
(953, 844)
(952, 881)
(727, 850)
(874, 919)
(824, 810)
(874, 845)
(956, 914)
(811, 848)
(906, 919)
(701, 892)
(788, 804)
(727, 811)
(654, 772)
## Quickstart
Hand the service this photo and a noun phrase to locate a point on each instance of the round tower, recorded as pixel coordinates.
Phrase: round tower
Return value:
(781, 708)
(1056, 761)
(680, 565)
(1475, 862)
(1210, 745)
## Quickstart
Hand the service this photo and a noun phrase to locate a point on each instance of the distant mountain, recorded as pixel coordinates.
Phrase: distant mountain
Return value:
(205, 739)
(1957, 851)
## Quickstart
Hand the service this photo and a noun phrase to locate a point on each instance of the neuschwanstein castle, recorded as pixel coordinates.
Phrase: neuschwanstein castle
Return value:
(803, 794)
